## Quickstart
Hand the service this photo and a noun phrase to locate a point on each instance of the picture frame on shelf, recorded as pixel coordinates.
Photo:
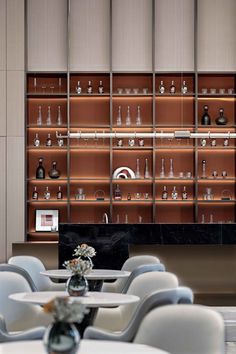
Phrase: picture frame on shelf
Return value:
(47, 220)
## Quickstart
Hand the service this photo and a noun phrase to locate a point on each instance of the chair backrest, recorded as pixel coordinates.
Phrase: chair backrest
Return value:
(33, 266)
(12, 268)
(183, 329)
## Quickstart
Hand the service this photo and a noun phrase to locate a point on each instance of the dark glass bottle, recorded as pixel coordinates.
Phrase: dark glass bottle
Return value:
(221, 120)
(35, 193)
(54, 172)
(59, 193)
(117, 193)
(206, 119)
(40, 171)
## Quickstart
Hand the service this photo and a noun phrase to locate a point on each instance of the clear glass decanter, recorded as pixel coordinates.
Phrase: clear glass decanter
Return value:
(162, 173)
(39, 118)
(59, 119)
(119, 118)
(171, 172)
(128, 118)
(49, 119)
(146, 171)
(138, 118)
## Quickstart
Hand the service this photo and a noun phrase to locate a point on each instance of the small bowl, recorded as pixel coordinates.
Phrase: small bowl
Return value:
(204, 91)
(120, 91)
(222, 91)
(127, 91)
(230, 91)
(213, 91)
(145, 90)
(135, 91)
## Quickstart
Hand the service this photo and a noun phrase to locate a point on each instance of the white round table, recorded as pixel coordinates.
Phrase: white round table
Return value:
(91, 299)
(86, 347)
(95, 274)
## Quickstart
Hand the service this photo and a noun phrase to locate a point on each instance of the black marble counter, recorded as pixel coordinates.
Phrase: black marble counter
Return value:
(112, 240)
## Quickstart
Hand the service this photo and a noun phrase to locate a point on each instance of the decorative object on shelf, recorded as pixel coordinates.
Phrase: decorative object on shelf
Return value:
(181, 175)
(85, 252)
(89, 87)
(36, 140)
(230, 91)
(224, 174)
(40, 171)
(184, 88)
(162, 173)
(105, 218)
(203, 142)
(213, 91)
(226, 195)
(35, 84)
(80, 195)
(117, 193)
(39, 118)
(204, 91)
(119, 117)
(129, 196)
(100, 88)
(222, 91)
(137, 172)
(145, 90)
(146, 170)
(146, 195)
(213, 142)
(140, 219)
(123, 172)
(226, 142)
(141, 142)
(138, 117)
(206, 119)
(49, 140)
(171, 172)
(49, 119)
(120, 142)
(99, 194)
(174, 194)
(119, 91)
(221, 119)
(77, 284)
(47, 194)
(172, 87)
(203, 169)
(59, 118)
(164, 194)
(211, 219)
(60, 142)
(126, 219)
(35, 194)
(54, 172)
(135, 91)
(214, 174)
(131, 142)
(208, 195)
(188, 174)
(47, 220)
(184, 193)
(203, 219)
(161, 87)
(62, 336)
(128, 118)
(78, 88)
(128, 91)
(59, 193)
(59, 85)
(137, 195)
(117, 218)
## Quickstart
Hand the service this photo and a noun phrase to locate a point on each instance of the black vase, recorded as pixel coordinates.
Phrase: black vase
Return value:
(61, 338)
(77, 285)
(54, 172)
(206, 119)
(221, 120)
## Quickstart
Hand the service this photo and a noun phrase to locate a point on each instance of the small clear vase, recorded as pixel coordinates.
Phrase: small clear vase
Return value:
(61, 338)
(77, 285)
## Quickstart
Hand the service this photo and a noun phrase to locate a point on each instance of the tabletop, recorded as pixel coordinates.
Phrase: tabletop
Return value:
(91, 299)
(95, 274)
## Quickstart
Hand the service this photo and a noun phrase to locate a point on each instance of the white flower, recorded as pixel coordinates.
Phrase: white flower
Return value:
(84, 250)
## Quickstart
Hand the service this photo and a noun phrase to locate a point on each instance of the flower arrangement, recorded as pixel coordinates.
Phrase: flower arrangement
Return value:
(84, 250)
(65, 310)
(78, 266)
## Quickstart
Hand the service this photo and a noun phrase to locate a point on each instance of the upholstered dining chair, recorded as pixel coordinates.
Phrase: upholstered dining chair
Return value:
(4, 267)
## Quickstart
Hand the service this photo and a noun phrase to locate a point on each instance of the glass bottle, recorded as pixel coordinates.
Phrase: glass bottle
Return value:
(49, 140)
(174, 194)
(138, 118)
(162, 173)
(184, 88)
(172, 87)
(49, 119)
(146, 171)
(128, 196)
(60, 142)
(140, 219)
(40, 171)
(161, 87)
(60, 84)
(206, 119)
(36, 140)
(35, 84)
(35, 194)
(203, 219)
(59, 119)
(54, 172)
(164, 195)
(128, 118)
(184, 193)
(221, 120)
(211, 219)
(100, 88)
(89, 87)
(39, 118)
(59, 193)
(47, 194)
(171, 172)
(117, 193)
(119, 119)
(137, 172)
(78, 88)
(117, 218)
(203, 169)
(226, 142)
(126, 219)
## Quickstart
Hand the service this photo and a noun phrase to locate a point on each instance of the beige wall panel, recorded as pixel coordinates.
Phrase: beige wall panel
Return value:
(2, 34)
(3, 200)
(2, 103)
(47, 35)
(15, 34)
(216, 35)
(90, 35)
(15, 191)
(132, 35)
(174, 35)
(15, 103)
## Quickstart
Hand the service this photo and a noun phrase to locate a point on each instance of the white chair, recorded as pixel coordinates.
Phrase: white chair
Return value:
(19, 316)
(183, 329)
(130, 265)
(34, 266)
(117, 319)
